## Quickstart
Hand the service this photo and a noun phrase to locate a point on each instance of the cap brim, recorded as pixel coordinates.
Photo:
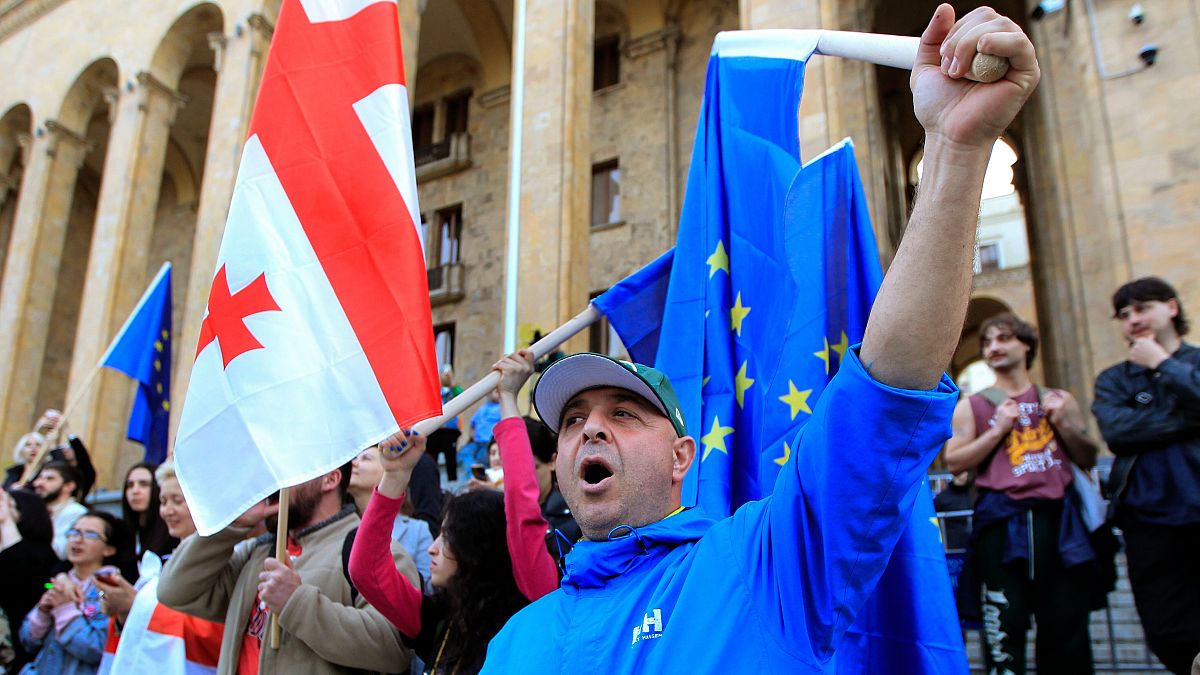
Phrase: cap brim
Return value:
(579, 372)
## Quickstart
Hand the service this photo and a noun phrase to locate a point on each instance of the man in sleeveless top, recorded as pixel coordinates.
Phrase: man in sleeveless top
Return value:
(1148, 408)
(1020, 439)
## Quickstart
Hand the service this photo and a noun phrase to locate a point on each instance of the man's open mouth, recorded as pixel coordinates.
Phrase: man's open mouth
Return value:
(594, 470)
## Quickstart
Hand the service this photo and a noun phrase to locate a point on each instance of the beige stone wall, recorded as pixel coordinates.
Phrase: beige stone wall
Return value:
(1113, 173)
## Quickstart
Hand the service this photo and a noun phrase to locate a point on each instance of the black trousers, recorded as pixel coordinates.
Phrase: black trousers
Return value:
(1164, 571)
(1055, 596)
(445, 441)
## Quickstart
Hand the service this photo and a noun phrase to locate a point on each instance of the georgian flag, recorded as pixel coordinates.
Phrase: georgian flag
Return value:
(317, 340)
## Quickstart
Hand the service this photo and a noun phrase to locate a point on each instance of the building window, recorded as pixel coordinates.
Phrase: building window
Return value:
(606, 64)
(606, 193)
(989, 257)
(422, 127)
(443, 343)
(445, 247)
(456, 113)
(603, 338)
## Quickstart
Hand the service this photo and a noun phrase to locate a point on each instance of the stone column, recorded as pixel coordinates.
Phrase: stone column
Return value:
(31, 272)
(410, 39)
(116, 277)
(556, 170)
(239, 62)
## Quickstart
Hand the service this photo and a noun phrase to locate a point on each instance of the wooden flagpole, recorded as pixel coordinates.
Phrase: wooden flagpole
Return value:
(475, 393)
(281, 552)
(31, 467)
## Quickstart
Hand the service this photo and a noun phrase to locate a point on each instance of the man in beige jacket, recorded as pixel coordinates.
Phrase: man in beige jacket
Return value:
(327, 626)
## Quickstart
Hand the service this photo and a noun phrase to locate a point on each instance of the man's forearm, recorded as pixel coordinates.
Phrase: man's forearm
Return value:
(971, 454)
(917, 319)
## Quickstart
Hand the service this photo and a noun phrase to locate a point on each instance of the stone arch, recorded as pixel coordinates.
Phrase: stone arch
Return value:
(16, 128)
(475, 28)
(186, 43)
(446, 75)
(185, 62)
(611, 19)
(69, 222)
(90, 92)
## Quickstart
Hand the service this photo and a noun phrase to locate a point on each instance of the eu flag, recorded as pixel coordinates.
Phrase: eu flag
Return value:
(770, 283)
(142, 350)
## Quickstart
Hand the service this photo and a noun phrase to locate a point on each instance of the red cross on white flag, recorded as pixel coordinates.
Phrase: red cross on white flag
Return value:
(317, 340)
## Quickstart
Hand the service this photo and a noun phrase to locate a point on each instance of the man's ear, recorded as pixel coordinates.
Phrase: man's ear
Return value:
(331, 481)
(1173, 306)
(683, 452)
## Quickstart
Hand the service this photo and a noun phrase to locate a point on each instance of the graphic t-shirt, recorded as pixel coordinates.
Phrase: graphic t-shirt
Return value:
(1029, 463)
(256, 627)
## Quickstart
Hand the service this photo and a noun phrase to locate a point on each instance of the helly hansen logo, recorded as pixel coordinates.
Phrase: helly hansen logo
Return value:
(650, 628)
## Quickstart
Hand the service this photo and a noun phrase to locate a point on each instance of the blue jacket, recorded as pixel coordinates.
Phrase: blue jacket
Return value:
(75, 651)
(772, 588)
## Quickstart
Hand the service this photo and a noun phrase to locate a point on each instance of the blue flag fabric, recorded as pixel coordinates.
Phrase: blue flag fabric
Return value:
(142, 350)
(771, 281)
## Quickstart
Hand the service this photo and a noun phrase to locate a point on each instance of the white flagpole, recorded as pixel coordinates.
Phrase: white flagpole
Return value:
(897, 51)
(516, 104)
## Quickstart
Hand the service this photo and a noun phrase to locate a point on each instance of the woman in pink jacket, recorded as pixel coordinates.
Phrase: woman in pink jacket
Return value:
(489, 561)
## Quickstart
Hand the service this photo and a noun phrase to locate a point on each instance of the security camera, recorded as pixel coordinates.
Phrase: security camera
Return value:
(1148, 54)
(1046, 7)
(1137, 15)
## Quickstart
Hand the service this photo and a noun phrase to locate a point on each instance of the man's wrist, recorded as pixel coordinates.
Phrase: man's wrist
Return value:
(942, 152)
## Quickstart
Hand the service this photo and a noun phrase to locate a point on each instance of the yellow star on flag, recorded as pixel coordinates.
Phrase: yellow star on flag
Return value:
(841, 347)
(705, 382)
(715, 439)
(741, 382)
(737, 314)
(787, 452)
(934, 520)
(797, 400)
(824, 354)
(719, 260)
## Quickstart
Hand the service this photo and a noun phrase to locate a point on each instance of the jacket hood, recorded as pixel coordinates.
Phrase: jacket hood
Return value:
(594, 564)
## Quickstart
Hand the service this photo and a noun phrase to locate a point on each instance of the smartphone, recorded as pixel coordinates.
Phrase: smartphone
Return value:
(107, 574)
(478, 472)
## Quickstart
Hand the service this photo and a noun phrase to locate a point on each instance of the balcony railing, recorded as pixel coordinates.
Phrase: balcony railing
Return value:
(446, 157)
(445, 284)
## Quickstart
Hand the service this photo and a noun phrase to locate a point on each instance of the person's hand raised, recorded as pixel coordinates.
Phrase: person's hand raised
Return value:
(960, 111)
(514, 370)
(255, 515)
(401, 451)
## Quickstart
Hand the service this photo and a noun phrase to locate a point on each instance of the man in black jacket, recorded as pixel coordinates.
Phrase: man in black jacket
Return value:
(1148, 408)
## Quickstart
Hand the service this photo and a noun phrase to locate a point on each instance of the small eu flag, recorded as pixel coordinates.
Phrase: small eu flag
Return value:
(142, 350)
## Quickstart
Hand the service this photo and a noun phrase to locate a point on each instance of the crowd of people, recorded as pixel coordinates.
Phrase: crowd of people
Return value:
(569, 549)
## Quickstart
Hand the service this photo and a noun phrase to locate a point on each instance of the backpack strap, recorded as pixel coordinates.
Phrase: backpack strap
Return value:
(993, 395)
(347, 544)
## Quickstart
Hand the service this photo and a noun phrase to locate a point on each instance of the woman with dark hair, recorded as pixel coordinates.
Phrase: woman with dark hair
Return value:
(139, 510)
(489, 561)
(25, 558)
(67, 629)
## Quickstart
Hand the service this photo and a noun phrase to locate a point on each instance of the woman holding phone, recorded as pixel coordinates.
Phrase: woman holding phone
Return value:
(146, 637)
(67, 629)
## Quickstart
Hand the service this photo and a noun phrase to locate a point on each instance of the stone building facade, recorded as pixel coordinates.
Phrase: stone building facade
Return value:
(121, 126)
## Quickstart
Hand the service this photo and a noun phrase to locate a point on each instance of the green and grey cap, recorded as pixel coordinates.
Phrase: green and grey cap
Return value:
(570, 375)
